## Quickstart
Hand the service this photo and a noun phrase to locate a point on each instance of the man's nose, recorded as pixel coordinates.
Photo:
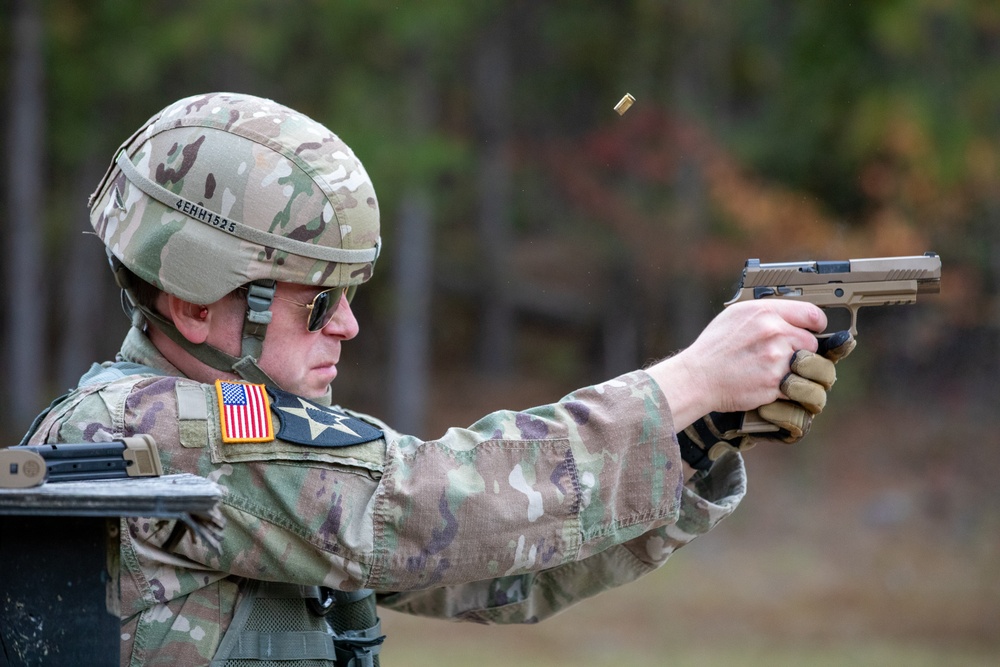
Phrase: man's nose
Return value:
(343, 324)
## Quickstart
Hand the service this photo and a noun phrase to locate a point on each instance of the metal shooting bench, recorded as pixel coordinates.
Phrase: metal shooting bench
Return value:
(59, 547)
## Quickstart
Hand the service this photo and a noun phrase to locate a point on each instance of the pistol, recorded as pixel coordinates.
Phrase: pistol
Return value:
(31, 465)
(850, 284)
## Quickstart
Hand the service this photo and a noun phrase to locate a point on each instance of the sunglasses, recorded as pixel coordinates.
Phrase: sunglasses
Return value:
(323, 306)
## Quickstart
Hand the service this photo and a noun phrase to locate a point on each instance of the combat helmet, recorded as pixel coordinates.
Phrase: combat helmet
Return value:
(223, 190)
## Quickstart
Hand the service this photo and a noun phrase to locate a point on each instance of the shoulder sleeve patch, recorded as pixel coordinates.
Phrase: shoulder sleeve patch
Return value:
(306, 423)
(244, 412)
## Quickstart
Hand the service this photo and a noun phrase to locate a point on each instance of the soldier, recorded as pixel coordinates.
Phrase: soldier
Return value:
(238, 230)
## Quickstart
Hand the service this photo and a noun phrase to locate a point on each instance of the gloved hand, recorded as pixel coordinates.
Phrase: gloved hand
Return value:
(810, 377)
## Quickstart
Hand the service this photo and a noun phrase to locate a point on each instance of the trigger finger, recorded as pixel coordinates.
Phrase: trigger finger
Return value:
(837, 346)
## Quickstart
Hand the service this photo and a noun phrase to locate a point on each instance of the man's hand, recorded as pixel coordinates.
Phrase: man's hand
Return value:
(739, 361)
(810, 377)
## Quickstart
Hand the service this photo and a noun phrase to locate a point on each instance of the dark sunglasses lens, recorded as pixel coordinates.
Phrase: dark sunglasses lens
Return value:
(323, 308)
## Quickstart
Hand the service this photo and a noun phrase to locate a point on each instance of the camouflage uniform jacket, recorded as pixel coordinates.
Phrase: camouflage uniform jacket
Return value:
(507, 521)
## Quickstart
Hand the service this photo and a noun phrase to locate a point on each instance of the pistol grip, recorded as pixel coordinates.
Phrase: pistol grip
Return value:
(20, 469)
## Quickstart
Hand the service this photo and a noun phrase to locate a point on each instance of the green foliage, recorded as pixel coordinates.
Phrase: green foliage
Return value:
(770, 121)
(834, 79)
(805, 92)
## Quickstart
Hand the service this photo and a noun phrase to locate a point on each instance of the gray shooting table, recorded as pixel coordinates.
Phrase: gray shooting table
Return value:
(59, 545)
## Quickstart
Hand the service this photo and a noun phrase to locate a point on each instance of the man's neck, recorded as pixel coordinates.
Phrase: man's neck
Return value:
(183, 361)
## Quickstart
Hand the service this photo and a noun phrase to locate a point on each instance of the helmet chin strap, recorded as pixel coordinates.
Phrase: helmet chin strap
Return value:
(245, 366)
(259, 297)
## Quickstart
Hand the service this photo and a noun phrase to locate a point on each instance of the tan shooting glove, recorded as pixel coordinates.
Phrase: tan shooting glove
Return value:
(810, 377)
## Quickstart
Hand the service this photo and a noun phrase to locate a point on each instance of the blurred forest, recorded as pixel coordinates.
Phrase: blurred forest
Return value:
(536, 241)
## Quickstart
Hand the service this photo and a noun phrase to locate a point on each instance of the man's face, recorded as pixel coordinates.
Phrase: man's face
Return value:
(298, 360)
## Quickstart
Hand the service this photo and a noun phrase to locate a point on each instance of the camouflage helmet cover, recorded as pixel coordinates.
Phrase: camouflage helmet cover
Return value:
(219, 190)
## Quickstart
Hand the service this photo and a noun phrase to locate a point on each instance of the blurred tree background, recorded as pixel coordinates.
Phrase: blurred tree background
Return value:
(535, 241)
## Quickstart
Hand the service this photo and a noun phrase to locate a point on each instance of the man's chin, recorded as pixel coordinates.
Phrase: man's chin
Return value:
(317, 384)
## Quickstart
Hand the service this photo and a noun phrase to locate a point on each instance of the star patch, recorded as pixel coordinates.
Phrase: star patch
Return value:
(306, 423)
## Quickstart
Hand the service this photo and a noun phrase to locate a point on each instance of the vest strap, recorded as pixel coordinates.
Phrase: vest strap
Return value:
(288, 645)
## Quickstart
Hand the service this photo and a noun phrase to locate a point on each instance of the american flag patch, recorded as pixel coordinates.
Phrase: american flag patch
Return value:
(244, 412)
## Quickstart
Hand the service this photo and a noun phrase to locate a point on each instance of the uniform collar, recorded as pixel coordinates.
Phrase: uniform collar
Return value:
(137, 348)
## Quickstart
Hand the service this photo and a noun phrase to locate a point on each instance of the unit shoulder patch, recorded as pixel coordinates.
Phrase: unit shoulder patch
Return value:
(244, 412)
(307, 423)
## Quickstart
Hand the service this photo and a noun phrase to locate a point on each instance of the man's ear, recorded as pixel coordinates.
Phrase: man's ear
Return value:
(191, 319)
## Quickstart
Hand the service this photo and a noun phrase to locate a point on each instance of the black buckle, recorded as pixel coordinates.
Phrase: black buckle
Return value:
(323, 603)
